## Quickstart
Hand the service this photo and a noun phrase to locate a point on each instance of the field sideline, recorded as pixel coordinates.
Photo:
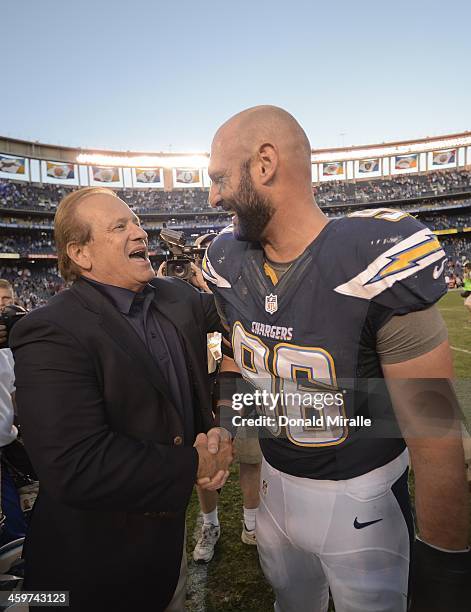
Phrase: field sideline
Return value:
(233, 581)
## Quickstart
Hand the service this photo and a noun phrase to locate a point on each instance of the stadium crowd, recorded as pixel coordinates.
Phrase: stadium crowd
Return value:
(403, 187)
(33, 286)
(450, 220)
(24, 196)
(39, 241)
(24, 243)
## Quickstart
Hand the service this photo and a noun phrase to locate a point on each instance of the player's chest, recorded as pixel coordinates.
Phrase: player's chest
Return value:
(313, 325)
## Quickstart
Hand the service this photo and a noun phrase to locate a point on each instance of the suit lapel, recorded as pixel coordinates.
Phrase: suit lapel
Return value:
(122, 334)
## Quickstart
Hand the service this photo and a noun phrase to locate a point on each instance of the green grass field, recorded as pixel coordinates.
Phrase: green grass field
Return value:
(233, 580)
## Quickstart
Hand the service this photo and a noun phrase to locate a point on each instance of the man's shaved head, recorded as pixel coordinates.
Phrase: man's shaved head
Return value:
(247, 131)
(260, 161)
(261, 171)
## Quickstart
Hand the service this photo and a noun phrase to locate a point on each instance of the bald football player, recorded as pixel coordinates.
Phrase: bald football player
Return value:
(341, 312)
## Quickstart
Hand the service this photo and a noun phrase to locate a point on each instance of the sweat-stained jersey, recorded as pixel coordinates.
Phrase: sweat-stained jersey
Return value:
(313, 334)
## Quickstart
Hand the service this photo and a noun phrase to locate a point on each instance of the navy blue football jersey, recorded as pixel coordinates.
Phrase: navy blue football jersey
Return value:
(315, 331)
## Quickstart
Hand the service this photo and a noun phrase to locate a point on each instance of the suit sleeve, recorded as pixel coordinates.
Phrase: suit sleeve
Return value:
(80, 461)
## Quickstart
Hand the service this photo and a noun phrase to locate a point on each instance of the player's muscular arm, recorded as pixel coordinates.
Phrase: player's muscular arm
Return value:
(229, 365)
(429, 417)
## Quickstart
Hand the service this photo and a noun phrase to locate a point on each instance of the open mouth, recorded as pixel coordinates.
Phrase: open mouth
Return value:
(139, 254)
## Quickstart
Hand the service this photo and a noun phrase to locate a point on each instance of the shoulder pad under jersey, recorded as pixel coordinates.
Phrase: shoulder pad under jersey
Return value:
(396, 260)
(223, 259)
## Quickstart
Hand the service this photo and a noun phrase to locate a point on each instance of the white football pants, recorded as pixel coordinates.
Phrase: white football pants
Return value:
(350, 535)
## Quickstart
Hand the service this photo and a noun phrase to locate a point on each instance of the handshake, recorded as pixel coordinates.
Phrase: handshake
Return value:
(214, 458)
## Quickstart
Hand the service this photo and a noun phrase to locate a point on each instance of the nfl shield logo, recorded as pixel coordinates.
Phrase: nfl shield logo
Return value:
(271, 303)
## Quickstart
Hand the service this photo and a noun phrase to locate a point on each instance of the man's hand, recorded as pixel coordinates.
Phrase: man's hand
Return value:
(216, 436)
(197, 279)
(213, 466)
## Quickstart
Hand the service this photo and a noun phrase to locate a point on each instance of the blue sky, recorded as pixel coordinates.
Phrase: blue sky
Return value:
(159, 76)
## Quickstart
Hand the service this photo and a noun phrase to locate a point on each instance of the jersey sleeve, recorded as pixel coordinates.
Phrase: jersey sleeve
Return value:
(400, 262)
(216, 267)
(219, 264)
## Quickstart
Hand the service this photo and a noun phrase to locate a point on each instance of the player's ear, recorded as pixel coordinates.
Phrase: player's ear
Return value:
(267, 163)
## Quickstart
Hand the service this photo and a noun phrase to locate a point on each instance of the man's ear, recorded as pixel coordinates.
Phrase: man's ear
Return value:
(267, 163)
(80, 255)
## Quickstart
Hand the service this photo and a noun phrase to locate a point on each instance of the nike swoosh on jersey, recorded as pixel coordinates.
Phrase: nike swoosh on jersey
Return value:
(438, 270)
(358, 525)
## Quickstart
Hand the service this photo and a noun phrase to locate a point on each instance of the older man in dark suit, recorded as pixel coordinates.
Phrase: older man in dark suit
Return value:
(112, 391)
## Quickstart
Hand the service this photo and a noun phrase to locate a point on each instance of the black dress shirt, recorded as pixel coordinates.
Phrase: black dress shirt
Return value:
(162, 341)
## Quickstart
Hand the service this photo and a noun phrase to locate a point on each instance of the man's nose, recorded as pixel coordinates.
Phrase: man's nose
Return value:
(214, 197)
(139, 233)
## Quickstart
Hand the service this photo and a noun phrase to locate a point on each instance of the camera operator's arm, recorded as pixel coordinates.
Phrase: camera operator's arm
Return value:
(8, 431)
(197, 279)
(3, 334)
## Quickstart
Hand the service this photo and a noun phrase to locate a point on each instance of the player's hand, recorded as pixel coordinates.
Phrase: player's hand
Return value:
(3, 333)
(215, 436)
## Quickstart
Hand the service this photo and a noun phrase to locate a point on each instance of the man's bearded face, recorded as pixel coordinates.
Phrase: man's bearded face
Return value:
(252, 211)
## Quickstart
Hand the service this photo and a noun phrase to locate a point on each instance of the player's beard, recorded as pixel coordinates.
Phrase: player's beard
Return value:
(253, 211)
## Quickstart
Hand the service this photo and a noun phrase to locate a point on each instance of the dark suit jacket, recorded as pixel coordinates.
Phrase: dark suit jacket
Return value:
(107, 444)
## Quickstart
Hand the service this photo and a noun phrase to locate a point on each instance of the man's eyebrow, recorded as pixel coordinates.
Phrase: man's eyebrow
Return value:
(120, 220)
(214, 176)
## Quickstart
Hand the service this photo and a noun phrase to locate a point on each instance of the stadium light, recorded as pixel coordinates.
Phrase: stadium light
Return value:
(145, 161)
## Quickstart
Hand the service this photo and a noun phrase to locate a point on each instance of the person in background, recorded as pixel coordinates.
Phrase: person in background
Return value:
(14, 526)
(7, 296)
(467, 287)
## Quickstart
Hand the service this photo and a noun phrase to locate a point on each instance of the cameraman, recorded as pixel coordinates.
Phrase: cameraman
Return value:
(7, 298)
(8, 431)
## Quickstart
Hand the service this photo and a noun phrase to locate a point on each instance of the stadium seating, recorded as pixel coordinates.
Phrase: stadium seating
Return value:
(441, 200)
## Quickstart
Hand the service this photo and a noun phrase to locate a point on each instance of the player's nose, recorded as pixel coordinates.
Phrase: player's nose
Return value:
(214, 198)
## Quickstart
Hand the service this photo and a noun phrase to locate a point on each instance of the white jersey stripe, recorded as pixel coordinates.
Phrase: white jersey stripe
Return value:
(213, 277)
(361, 286)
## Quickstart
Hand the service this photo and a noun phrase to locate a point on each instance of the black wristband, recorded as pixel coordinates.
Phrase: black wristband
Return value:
(229, 383)
(440, 581)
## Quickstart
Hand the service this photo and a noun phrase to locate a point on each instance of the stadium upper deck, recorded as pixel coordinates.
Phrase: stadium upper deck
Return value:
(430, 178)
(42, 163)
